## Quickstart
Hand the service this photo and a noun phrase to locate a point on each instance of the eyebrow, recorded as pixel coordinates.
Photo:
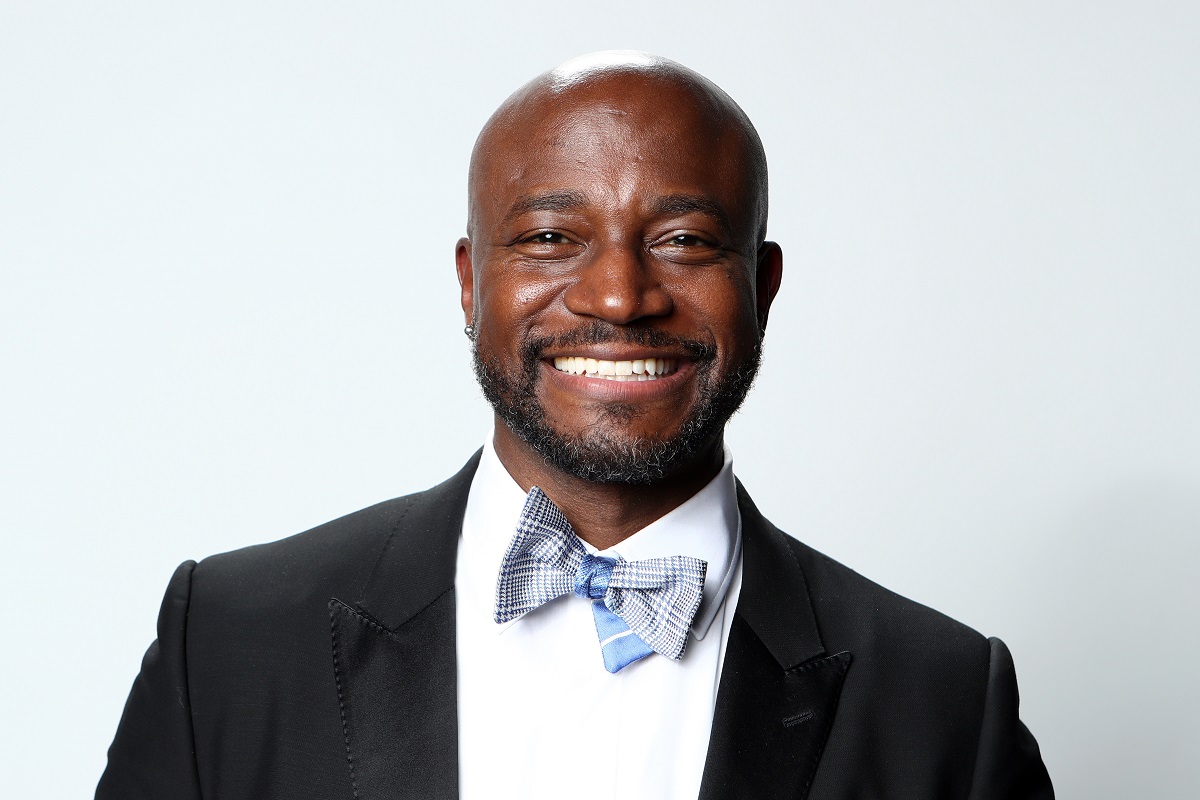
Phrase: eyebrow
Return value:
(550, 201)
(691, 204)
(668, 204)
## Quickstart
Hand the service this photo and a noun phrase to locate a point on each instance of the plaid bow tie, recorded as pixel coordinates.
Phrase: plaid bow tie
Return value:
(640, 607)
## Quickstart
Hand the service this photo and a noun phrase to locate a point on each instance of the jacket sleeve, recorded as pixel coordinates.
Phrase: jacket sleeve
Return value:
(153, 752)
(1008, 765)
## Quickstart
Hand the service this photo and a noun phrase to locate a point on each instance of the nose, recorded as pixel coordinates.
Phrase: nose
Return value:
(617, 285)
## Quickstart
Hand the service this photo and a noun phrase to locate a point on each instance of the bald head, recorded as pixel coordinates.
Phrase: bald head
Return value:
(617, 220)
(627, 101)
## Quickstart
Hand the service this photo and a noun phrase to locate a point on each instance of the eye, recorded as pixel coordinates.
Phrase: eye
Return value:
(686, 247)
(546, 237)
(546, 244)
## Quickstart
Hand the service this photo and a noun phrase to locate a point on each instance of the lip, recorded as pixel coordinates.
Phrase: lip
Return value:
(616, 352)
(602, 390)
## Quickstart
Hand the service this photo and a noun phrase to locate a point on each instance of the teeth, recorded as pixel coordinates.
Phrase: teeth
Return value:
(648, 369)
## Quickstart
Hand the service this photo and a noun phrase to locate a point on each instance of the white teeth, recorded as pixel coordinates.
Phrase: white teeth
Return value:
(648, 369)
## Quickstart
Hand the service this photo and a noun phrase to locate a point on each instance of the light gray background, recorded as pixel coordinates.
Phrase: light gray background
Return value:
(229, 313)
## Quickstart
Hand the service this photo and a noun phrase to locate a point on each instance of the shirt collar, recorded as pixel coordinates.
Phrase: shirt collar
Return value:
(706, 526)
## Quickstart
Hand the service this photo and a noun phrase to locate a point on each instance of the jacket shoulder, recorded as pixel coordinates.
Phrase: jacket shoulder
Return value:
(855, 612)
(390, 546)
(938, 698)
(330, 559)
(900, 637)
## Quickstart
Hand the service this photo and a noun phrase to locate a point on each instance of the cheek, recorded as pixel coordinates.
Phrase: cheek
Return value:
(532, 295)
(724, 305)
(515, 301)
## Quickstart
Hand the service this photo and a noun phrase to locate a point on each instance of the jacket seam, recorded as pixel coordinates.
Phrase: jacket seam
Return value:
(388, 544)
(187, 680)
(337, 676)
(987, 690)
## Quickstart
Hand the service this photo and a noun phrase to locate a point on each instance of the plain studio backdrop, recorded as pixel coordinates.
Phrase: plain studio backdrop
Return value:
(229, 313)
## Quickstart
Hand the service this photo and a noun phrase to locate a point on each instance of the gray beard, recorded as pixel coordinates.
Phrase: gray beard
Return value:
(597, 455)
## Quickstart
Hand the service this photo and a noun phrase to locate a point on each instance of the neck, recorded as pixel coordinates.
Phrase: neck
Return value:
(605, 514)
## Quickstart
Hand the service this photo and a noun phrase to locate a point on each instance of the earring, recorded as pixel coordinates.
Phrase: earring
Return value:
(469, 331)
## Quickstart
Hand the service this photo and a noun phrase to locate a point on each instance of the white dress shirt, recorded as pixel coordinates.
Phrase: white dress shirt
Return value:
(538, 715)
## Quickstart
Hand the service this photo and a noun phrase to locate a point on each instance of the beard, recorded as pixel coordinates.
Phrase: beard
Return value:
(601, 453)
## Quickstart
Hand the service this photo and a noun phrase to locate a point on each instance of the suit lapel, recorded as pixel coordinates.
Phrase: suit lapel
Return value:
(779, 690)
(394, 654)
(394, 660)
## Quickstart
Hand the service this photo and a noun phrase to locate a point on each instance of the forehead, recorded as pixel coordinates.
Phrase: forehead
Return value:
(616, 139)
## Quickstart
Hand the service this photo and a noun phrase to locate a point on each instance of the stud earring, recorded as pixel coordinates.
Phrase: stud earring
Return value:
(470, 331)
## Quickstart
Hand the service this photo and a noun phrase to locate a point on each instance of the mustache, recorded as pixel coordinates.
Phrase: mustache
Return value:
(599, 332)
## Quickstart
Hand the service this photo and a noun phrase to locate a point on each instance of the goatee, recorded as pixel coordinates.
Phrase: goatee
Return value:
(601, 453)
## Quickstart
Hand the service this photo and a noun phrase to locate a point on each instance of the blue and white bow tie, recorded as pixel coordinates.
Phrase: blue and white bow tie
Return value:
(640, 607)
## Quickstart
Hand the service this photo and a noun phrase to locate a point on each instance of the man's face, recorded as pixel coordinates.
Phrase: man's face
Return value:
(611, 276)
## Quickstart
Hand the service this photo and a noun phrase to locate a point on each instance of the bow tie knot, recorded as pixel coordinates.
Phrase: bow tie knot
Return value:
(640, 607)
(592, 577)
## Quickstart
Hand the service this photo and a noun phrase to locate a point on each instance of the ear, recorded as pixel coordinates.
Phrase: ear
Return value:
(768, 275)
(466, 277)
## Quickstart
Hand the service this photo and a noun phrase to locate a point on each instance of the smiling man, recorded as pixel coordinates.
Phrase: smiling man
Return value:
(593, 605)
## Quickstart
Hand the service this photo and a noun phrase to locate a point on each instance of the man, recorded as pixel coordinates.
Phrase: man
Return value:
(592, 606)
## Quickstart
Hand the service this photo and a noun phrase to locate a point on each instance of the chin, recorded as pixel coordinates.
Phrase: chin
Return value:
(606, 451)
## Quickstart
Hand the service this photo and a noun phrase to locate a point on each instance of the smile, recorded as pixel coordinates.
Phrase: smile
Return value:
(649, 369)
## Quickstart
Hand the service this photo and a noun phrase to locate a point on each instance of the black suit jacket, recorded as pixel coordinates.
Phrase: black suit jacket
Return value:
(323, 666)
